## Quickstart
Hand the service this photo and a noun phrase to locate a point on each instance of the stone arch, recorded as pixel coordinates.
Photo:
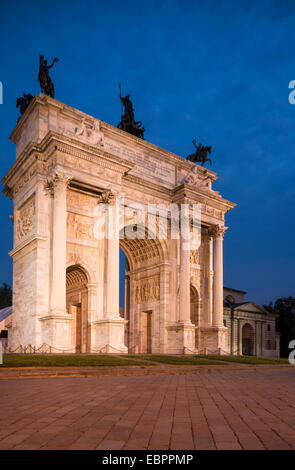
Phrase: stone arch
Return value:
(248, 340)
(77, 280)
(143, 247)
(145, 254)
(195, 305)
(195, 312)
(88, 270)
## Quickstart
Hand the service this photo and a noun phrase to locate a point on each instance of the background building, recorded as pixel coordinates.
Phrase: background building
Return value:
(251, 328)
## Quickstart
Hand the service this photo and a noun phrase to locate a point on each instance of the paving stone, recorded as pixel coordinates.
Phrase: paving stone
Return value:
(237, 410)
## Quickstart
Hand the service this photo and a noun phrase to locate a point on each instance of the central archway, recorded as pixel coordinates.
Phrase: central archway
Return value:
(144, 255)
(77, 306)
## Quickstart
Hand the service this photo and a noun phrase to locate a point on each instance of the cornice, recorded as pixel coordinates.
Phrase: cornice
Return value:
(200, 195)
(138, 183)
(168, 156)
(32, 240)
(75, 114)
(54, 141)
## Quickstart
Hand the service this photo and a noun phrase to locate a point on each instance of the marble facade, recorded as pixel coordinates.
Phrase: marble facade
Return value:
(66, 278)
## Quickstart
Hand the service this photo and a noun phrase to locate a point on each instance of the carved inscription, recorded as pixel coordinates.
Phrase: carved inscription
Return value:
(145, 165)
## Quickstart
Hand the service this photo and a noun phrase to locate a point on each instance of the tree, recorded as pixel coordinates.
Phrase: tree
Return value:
(285, 308)
(5, 295)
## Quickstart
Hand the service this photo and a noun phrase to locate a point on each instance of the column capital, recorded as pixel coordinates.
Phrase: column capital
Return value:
(106, 197)
(56, 181)
(217, 231)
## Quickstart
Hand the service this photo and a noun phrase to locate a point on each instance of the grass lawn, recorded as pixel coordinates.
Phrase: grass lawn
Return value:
(179, 360)
(42, 360)
(247, 359)
(58, 360)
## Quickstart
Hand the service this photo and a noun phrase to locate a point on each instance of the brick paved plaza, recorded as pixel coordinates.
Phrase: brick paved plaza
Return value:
(232, 410)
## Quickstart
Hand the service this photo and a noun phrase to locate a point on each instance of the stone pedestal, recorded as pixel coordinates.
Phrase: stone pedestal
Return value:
(181, 339)
(57, 334)
(189, 341)
(109, 336)
(213, 341)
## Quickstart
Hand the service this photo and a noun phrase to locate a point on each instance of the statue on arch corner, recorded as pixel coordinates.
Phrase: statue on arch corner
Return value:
(201, 153)
(46, 84)
(127, 123)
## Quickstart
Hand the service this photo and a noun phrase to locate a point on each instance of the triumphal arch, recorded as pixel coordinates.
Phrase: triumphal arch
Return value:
(73, 178)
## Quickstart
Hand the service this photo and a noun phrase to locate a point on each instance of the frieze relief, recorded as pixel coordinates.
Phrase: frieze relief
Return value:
(82, 255)
(25, 219)
(25, 179)
(95, 169)
(198, 178)
(82, 165)
(195, 257)
(79, 226)
(147, 290)
(88, 130)
(212, 211)
(81, 201)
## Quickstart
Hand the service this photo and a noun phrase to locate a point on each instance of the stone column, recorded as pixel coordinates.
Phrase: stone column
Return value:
(187, 328)
(208, 264)
(161, 347)
(58, 185)
(112, 263)
(184, 287)
(240, 339)
(110, 329)
(257, 339)
(184, 275)
(233, 332)
(262, 343)
(218, 233)
(56, 326)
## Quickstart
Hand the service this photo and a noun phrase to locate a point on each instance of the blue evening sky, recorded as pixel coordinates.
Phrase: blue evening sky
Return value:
(213, 70)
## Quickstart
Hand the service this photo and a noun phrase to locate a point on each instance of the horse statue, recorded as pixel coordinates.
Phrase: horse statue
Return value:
(128, 122)
(201, 153)
(46, 84)
(23, 102)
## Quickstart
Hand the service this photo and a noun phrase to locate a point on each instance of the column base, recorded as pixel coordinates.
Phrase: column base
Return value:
(57, 332)
(213, 340)
(109, 336)
(181, 339)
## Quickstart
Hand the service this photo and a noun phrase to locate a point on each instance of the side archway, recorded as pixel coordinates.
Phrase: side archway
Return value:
(194, 296)
(195, 312)
(77, 306)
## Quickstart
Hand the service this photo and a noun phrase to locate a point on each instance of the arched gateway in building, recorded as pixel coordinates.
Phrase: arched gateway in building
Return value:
(73, 178)
(247, 340)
